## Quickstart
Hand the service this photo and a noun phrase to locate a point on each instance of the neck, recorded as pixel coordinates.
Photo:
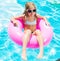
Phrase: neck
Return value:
(31, 17)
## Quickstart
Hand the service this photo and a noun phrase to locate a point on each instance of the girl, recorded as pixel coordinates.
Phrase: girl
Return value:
(30, 19)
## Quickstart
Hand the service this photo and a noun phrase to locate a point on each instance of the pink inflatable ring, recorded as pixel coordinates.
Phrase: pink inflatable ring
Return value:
(16, 34)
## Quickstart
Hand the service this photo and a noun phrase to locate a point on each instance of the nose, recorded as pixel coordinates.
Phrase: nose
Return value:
(32, 12)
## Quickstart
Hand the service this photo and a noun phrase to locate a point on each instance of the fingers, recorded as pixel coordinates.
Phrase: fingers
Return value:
(48, 24)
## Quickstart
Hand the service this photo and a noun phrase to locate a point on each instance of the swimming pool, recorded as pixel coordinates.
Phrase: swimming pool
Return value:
(10, 51)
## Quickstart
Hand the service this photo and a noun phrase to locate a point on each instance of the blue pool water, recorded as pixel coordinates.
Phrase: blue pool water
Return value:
(10, 51)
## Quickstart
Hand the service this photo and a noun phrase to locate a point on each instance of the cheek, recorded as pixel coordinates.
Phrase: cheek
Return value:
(34, 13)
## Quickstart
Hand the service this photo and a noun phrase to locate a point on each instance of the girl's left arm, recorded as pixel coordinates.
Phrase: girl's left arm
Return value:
(44, 18)
(46, 21)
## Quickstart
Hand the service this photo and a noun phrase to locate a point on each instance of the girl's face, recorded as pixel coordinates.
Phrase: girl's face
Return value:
(31, 11)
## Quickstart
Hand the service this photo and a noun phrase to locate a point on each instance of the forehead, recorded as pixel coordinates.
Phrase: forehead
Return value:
(31, 7)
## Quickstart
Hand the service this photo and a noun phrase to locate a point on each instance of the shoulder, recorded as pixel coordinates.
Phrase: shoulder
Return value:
(39, 16)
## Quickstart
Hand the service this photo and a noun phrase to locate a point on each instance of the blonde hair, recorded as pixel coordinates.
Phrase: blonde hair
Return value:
(27, 6)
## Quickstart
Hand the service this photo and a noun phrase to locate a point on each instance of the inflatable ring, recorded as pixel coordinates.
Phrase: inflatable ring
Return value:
(16, 34)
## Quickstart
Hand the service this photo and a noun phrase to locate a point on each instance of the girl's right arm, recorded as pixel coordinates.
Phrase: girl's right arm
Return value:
(14, 19)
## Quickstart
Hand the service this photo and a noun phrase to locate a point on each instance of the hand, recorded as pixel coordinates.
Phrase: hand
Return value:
(47, 23)
(14, 23)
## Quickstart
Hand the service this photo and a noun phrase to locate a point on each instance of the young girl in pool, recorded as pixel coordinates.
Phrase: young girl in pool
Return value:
(30, 18)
